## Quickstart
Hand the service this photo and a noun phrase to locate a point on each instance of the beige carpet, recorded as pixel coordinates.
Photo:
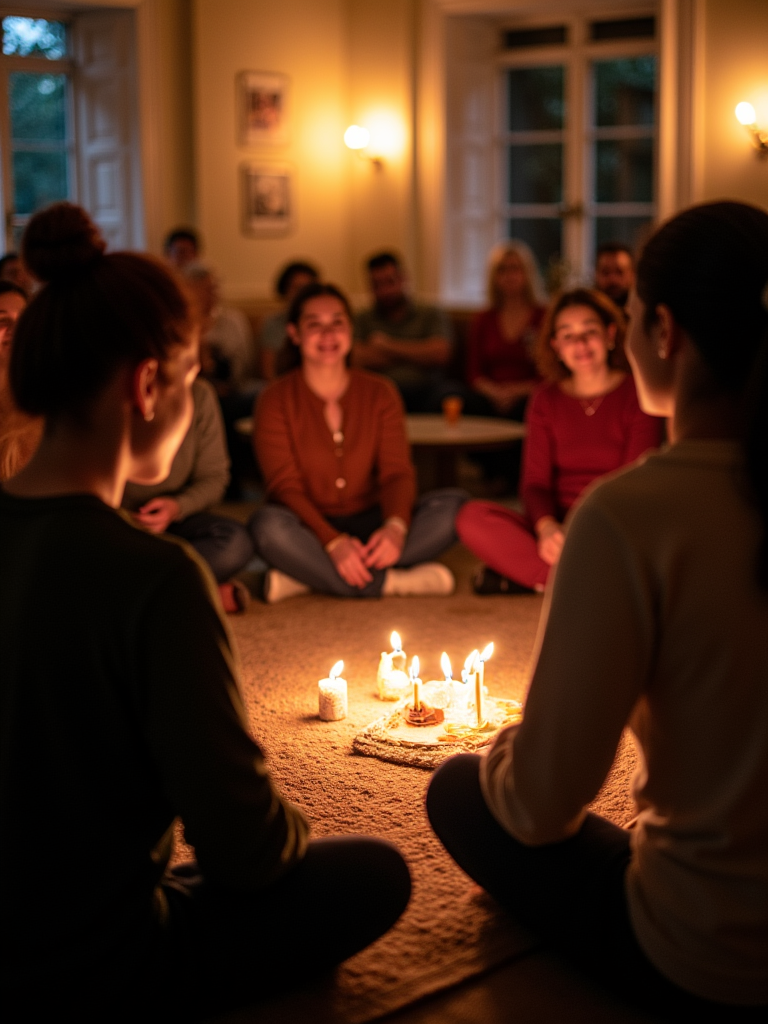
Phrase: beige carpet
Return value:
(450, 930)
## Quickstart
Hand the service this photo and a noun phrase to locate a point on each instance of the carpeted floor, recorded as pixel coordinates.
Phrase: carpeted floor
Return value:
(450, 931)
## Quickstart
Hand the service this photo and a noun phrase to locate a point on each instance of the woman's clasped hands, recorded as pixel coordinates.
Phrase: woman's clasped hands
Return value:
(353, 559)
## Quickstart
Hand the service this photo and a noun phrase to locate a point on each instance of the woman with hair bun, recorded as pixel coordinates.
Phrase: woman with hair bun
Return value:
(120, 708)
(657, 620)
(582, 423)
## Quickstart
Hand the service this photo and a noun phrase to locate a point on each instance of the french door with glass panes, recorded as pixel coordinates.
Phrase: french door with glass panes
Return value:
(69, 121)
(576, 149)
(37, 118)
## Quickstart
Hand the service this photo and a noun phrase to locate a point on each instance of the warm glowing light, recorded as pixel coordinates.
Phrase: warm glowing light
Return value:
(397, 644)
(356, 137)
(470, 660)
(336, 670)
(414, 670)
(487, 652)
(445, 665)
(745, 113)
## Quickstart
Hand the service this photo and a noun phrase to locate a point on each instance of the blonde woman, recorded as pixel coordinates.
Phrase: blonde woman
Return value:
(500, 362)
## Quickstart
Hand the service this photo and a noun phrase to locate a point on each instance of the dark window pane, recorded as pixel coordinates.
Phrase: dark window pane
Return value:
(535, 98)
(536, 173)
(34, 37)
(624, 171)
(38, 179)
(632, 231)
(545, 237)
(38, 107)
(520, 38)
(625, 91)
(627, 28)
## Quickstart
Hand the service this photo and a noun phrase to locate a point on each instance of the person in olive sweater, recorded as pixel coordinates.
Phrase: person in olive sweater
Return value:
(198, 479)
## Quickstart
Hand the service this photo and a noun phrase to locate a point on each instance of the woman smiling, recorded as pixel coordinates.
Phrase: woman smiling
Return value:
(584, 422)
(332, 446)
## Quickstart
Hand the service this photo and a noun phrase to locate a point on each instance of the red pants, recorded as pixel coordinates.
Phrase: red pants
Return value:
(504, 540)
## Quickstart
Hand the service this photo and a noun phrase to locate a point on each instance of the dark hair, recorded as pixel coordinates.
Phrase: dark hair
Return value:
(611, 248)
(181, 235)
(709, 266)
(8, 258)
(287, 274)
(9, 286)
(289, 356)
(549, 366)
(94, 313)
(383, 259)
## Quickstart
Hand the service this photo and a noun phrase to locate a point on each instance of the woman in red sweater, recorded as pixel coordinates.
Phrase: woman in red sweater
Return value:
(500, 362)
(584, 422)
(341, 487)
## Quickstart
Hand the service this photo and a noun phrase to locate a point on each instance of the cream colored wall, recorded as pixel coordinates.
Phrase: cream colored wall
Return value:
(736, 68)
(348, 61)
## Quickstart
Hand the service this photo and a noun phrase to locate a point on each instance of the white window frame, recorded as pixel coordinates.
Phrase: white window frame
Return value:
(578, 208)
(36, 65)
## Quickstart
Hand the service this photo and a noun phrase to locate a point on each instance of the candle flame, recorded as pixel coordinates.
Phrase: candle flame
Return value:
(336, 670)
(415, 667)
(470, 660)
(487, 652)
(396, 642)
(445, 665)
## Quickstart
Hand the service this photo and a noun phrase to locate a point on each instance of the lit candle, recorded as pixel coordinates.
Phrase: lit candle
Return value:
(333, 695)
(392, 680)
(479, 680)
(416, 684)
(468, 666)
(398, 654)
(445, 665)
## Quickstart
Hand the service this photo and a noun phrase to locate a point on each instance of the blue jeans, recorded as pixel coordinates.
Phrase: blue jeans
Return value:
(224, 543)
(285, 543)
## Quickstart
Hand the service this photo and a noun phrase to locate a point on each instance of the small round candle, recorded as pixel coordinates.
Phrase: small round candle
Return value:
(332, 695)
(398, 654)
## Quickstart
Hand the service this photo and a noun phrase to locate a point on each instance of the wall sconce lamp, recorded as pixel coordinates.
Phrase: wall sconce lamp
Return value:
(358, 139)
(745, 114)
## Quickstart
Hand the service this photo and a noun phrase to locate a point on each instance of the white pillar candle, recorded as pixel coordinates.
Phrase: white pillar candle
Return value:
(332, 695)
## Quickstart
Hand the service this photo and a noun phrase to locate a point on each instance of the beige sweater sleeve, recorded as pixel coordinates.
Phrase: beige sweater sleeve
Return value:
(594, 651)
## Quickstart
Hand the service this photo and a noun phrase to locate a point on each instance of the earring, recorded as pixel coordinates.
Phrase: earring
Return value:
(662, 352)
(149, 416)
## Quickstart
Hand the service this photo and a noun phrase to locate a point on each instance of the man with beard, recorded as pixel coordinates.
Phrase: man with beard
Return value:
(408, 342)
(615, 272)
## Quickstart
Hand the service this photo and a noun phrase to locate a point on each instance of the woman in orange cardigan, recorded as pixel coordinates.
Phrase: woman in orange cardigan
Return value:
(341, 487)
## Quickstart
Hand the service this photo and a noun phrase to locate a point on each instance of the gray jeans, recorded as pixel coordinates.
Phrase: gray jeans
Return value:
(285, 543)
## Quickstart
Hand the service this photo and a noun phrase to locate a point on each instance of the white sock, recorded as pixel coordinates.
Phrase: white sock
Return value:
(279, 586)
(428, 579)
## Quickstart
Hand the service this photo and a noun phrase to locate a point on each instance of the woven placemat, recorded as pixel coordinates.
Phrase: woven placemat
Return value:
(429, 746)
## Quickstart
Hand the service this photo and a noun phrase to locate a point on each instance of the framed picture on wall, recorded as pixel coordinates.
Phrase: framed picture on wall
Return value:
(262, 99)
(267, 199)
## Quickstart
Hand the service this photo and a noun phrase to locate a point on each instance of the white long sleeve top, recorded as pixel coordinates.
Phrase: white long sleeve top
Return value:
(654, 618)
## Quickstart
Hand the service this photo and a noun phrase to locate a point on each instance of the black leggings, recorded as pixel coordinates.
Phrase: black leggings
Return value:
(571, 893)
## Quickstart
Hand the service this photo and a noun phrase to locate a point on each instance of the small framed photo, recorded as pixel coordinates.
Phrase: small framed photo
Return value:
(262, 99)
(267, 199)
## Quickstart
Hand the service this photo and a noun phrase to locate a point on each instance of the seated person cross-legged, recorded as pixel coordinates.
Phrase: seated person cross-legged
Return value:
(121, 709)
(333, 450)
(179, 505)
(500, 360)
(583, 423)
(408, 342)
(657, 619)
